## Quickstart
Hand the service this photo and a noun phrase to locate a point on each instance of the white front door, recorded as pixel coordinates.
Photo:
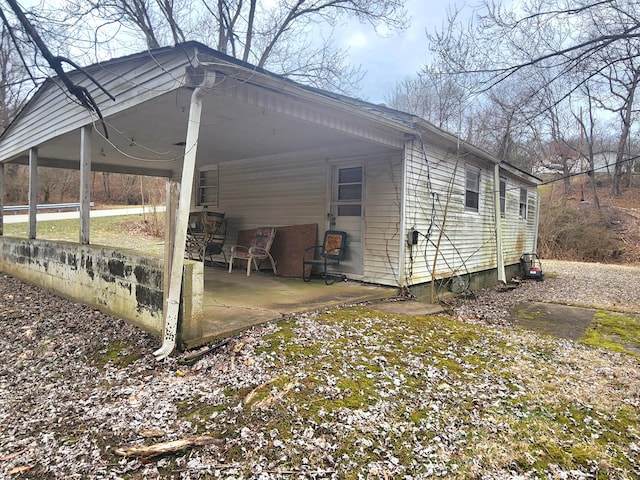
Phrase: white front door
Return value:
(346, 212)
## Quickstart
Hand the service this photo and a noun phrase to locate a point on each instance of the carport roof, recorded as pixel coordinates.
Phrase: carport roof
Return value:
(249, 113)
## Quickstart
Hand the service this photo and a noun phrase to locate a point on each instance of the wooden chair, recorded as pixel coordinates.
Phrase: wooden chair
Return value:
(328, 254)
(258, 250)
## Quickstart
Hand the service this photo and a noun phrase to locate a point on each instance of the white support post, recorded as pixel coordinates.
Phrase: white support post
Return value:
(171, 201)
(502, 276)
(182, 219)
(33, 191)
(85, 183)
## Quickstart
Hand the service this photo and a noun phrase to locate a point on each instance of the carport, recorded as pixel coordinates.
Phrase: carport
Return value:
(178, 111)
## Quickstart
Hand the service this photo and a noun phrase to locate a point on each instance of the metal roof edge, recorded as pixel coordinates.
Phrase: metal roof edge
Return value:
(529, 177)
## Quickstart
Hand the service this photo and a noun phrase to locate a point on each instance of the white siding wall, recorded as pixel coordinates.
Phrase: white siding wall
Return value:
(517, 233)
(292, 190)
(275, 191)
(468, 242)
(466, 238)
(382, 219)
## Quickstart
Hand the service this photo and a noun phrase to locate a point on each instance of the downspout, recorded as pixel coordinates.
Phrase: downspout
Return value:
(1, 199)
(537, 220)
(402, 277)
(502, 276)
(182, 219)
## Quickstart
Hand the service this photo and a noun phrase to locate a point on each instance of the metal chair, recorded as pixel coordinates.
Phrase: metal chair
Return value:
(206, 233)
(258, 250)
(216, 242)
(326, 255)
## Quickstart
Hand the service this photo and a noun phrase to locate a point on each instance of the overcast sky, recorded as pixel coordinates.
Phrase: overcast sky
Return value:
(388, 60)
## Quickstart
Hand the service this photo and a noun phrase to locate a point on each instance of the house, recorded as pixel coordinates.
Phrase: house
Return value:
(419, 205)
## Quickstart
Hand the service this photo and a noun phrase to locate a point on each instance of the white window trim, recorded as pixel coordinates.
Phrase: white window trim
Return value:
(526, 203)
(200, 188)
(478, 172)
(503, 198)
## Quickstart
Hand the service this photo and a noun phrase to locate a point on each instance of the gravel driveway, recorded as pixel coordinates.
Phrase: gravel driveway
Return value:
(614, 287)
(75, 385)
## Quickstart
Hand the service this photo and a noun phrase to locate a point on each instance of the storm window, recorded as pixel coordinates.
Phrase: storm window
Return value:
(523, 203)
(208, 187)
(472, 190)
(503, 195)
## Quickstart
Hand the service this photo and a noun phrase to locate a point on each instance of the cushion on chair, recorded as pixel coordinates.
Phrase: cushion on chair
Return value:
(333, 244)
(264, 235)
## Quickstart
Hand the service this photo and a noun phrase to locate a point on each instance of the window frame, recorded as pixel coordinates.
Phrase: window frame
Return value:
(503, 196)
(470, 193)
(523, 207)
(347, 205)
(203, 197)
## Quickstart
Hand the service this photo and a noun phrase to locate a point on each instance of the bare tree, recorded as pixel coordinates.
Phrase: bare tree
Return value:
(15, 84)
(553, 47)
(290, 37)
(432, 96)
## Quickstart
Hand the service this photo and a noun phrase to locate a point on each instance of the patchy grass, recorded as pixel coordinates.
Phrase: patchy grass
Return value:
(614, 331)
(118, 354)
(381, 396)
(108, 231)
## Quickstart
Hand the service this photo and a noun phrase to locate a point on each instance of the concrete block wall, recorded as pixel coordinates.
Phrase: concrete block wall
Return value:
(123, 283)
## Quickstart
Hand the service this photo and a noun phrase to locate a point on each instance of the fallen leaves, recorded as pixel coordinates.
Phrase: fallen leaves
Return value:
(347, 392)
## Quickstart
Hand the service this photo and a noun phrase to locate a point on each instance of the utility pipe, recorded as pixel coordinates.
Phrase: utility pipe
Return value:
(1, 199)
(502, 276)
(182, 219)
(403, 279)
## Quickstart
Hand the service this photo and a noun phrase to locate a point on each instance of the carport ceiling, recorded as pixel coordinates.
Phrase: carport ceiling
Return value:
(150, 136)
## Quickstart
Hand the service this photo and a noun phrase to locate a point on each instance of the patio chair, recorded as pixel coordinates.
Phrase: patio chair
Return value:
(326, 255)
(205, 235)
(216, 242)
(258, 250)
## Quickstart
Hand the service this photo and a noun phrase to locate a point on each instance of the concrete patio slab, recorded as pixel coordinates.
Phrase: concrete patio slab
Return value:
(561, 321)
(234, 302)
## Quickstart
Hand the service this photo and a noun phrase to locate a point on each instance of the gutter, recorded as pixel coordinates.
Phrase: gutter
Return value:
(182, 219)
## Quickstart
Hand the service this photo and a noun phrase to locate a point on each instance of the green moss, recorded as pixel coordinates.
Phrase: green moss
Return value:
(372, 362)
(116, 353)
(615, 332)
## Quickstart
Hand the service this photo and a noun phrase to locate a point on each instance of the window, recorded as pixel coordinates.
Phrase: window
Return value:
(472, 190)
(350, 192)
(208, 187)
(523, 203)
(503, 195)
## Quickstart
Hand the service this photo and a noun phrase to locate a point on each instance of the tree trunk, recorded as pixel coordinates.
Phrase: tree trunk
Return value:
(616, 186)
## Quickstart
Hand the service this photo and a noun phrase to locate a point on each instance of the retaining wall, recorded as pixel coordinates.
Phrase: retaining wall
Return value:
(123, 283)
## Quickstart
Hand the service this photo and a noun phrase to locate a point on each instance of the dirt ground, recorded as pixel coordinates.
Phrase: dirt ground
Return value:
(336, 395)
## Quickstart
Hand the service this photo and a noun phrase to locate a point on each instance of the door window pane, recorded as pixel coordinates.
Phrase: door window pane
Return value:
(350, 175)
(349, 210)
(350, 192)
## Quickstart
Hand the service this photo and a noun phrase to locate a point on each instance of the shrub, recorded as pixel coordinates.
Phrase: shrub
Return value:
(578, 233)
